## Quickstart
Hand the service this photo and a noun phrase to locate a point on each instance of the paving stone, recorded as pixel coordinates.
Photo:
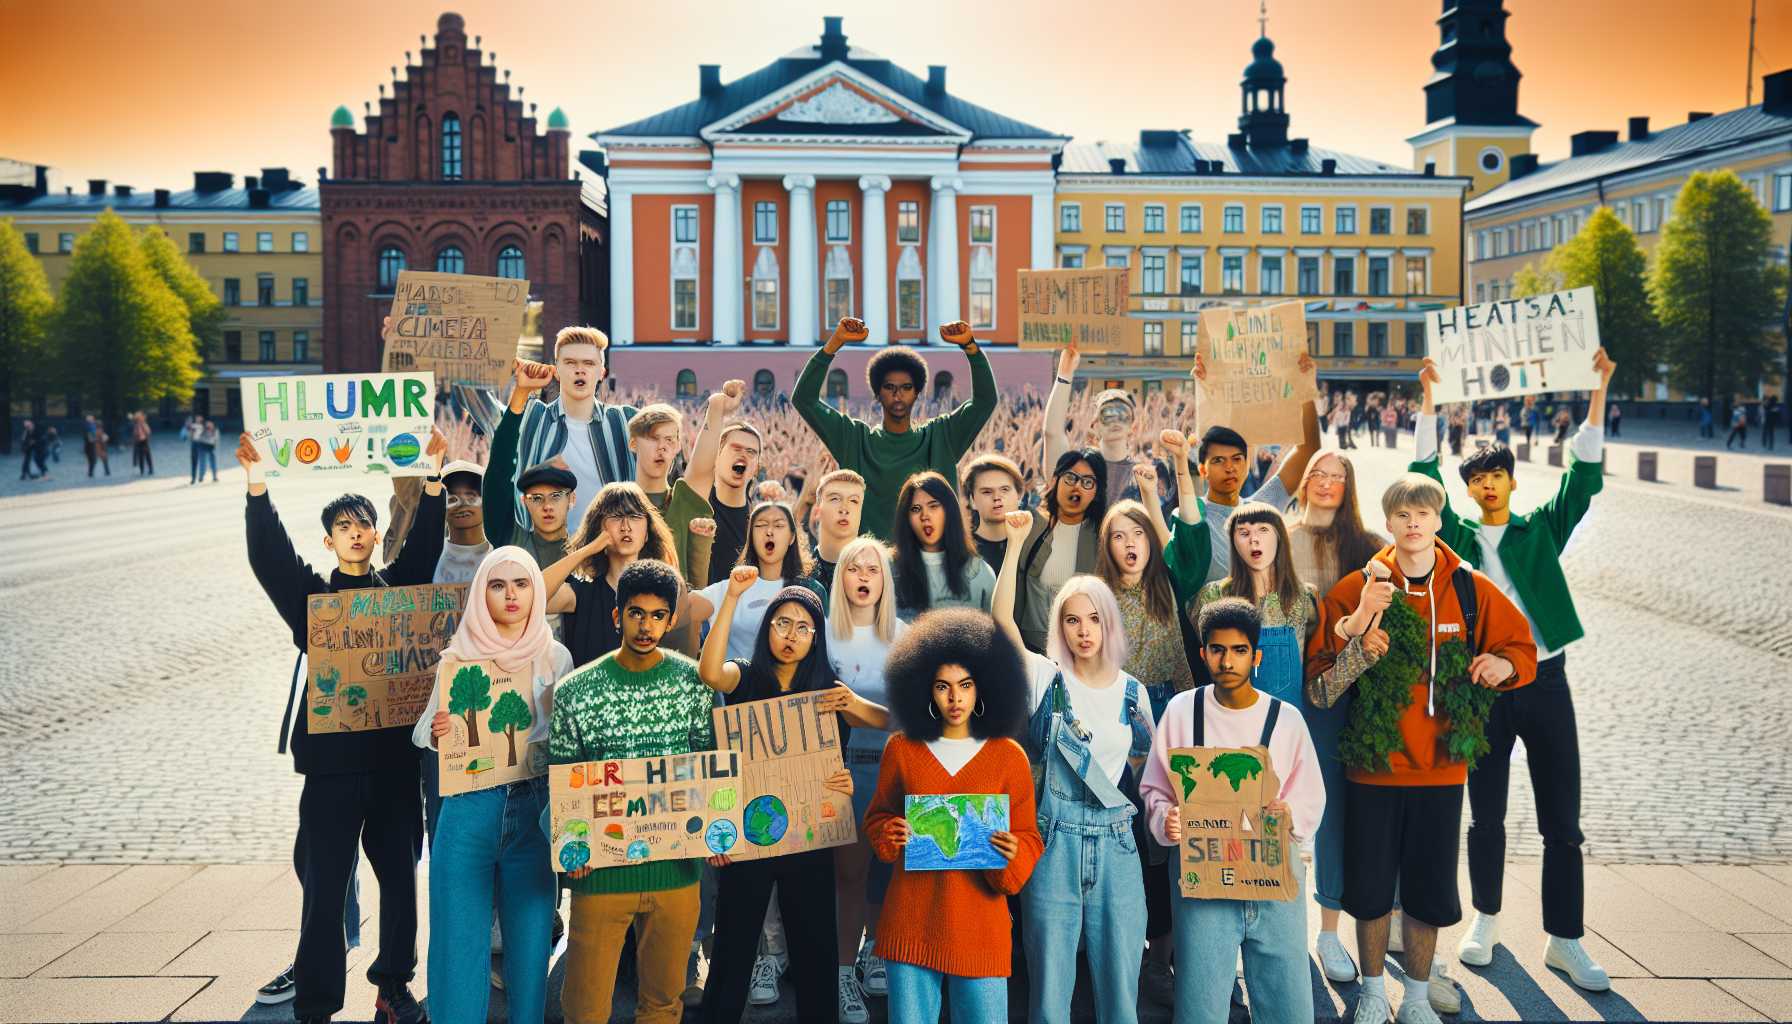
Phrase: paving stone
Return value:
(1697, 955)
(1771, 998)
(1757, 889)
(45, 892)
(1775, 944)
(22, 954)
(261, 953)
(96, 1000)
(204, 898)
(114, 899)
(117, 954)
(231, 997)
(1702, 898)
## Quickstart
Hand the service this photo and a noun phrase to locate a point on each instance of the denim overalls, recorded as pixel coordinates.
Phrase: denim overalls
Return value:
(1282, 671)
(1088, 888)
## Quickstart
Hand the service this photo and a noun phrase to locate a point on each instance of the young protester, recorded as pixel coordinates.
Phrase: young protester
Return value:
(1132, 564)
(361, 788)
(1212, 934)
(737, 463)
(1521, 554)
(1223, 459)
(1262, 572)
(488, 847)
(1090, 727)
(620, 527)
(862, 626)
(466, 546)
(1116, 431)
(655, 438)
(1065, 539)
(891, 452)
(790, 655)
(1403, 813)
(936, 567)
(958, 692)
(636, 701)
(141, 456)
(839, 503)
(992, 486)
(780, 554)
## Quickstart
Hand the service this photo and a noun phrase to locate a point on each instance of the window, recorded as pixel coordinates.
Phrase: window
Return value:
(264, 289)
(1492, 159)
(1782, 192)
(839, 224)
(1272, 220)
(1191, 336)
(1191, 273)
(1232, 275)
(31, 242)
(764, 384)
(267, 346)
(1232, 221)
(1544, 236)
(1418, 221)
(1343, 338)
(195, 241)
(230, 241)
(765, 223)
(391, 262)
(1378, 275)
(1114, 217)
(685, 384)
(301, 346)
(684, 286)
(65, 242)
(1345, 220)
(1070, 260)
(983, 225)
(908, 222)
(1309, 275)
(1119, 260)
(1154, 337)
(1415, 275)
(765, 289)
(1312, 220)
(837, 286)
(451, 148)
(264, 241)
(450, 260)
(1189, 217)
(1378, 341)
(1313, 338)
(1480, 245)
(1493, 291)
(1070, 216)
(233, 291)
(511, 263)
(1381, 220)
(1343, 275)
(1269, 276)
(233, 346)
(1415, 338)
(301, 241)
(983, 286)
(684, 225)
(1154, 221)
(1154, 265)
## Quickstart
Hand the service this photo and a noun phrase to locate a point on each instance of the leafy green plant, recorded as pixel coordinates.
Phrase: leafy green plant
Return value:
(1466, 704)
(1384, 692)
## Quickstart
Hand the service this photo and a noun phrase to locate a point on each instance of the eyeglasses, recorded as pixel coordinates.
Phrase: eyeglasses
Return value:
(1087, 483)
(784, 626)
(550, 498)
(630, 518)
(470, 501)
(1115, 412)
(1330, 478)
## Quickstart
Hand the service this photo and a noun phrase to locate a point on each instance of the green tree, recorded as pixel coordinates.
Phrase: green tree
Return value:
(25, 304)
(1715, 292)
(1533, 280)
(510, 714)
(205, 311)
(123, 334)
(469, 694)
(1604, 256)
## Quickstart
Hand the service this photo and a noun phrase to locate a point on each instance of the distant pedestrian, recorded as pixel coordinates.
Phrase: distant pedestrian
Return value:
(1458, 428)
(53, 444)
(1614, 419)
(27, 442)
(1531, 418)
(1563, 421)
(1770, 420)
(1738, 427)
(1502, 425)
(1706, 426)
(140, 456)
(189, 433)
(209, 437)
(1390, 425)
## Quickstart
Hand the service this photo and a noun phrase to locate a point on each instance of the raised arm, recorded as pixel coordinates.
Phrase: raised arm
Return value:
(1586, 468)
(716, 671)
(963, 424)
(1020, 525)
(1295, 465)
(1145, 474)
(700, 471)
(1057, 406)
(562, 598)
(283, 575)
(832, 426)
(1188, 504)
(498, 489)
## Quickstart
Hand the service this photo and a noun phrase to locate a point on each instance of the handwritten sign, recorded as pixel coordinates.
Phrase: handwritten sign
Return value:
(787, 750)
(1088, 307)
(610, 814)
(1232, 847)
(462, 328)
(341, 422)
(371, 654)
(491, 713)
(1254, 384)
(1512, 347)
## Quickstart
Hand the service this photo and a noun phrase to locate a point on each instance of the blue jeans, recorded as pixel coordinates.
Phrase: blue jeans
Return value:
(1325, 726)
(1283, 668)
(1272, 934)
(489, 844)
(915, 996)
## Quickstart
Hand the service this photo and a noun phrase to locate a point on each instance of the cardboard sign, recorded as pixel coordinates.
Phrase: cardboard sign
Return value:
(1084, 306)
(371, 654)
(1514, 346)
(609, 814)
(787, 750)
(950, 831)
(1232, 847)
(1254, 384)
(341, 422)
(462, 328)
(490, 715)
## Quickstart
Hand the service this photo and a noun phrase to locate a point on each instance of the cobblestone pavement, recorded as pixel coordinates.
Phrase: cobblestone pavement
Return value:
(145, 673)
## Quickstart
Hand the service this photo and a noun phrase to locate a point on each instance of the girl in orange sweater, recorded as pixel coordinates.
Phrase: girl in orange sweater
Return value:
(959, 692)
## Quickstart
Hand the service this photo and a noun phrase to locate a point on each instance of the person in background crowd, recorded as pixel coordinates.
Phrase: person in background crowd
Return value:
(28, 448)
(936, 567)
(1261, 570)
(1614, 420)
(1532, 418)
(775, 548)
(1770, 421)
(208, 453)
(1502, 425)
(739, 445)
(839, 503)
(1458, 427)
(1738, 429)
(1390, 425)
(93, 444)
(1115, 431)
(1065, 539)
(547, 493)
(992, 486)
(1564, 420)
(190, 432)
(141, 457)
(621, 527)
(655, 438)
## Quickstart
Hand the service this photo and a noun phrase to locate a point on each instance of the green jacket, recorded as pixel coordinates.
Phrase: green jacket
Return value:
(1532, 546)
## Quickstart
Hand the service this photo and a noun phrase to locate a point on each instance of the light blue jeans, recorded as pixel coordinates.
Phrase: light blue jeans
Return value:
(1087, 889)
(490, 844)
(915, 996)
(1272, 935)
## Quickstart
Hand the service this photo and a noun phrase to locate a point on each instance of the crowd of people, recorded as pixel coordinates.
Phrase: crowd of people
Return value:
(1031, 598)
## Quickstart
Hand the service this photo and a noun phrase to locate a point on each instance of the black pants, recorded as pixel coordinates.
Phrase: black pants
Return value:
(806, 903)
(1401, 841)
(1737, 434)
(382, 811)
(1542, 714)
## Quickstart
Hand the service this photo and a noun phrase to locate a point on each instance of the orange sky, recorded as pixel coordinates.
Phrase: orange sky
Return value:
(146, 93)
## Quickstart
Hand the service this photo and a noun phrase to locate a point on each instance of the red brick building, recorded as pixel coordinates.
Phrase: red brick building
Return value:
(452, 174)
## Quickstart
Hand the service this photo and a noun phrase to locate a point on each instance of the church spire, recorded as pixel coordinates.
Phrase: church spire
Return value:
(1262, 119)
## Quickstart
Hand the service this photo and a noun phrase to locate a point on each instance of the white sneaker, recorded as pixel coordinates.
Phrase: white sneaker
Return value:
(1416, 1011)
(852, 1002)
(1372, 1009)
(1476, 947)
(1570, 957)
(876, 976)
(1396, 928)
(1334, 961)
(1440, 991)
(765, 982)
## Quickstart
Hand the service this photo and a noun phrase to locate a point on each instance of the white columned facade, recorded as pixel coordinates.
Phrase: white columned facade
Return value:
(622, 267)
(942, 251)
(726, 287)
(803, 266)
(874, 257)
(1042, 230)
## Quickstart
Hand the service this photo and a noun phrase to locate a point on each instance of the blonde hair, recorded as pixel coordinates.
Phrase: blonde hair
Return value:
(840, 609)
(1114, 645)
(580, 335)
(1412, 490)
(651, 417)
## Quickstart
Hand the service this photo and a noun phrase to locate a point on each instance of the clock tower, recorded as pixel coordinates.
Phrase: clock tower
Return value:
(1472, 124)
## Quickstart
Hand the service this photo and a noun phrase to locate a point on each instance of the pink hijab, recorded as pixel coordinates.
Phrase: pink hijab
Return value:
(478, 638)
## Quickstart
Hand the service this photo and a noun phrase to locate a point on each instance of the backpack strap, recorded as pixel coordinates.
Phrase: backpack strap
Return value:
(1269, 721)
(1199, 736)
(1464, 580)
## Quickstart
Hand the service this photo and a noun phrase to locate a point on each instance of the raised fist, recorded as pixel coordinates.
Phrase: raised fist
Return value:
(741, 579)
(1174, 443)
(956, 333)
(533, 376)
(850, 329)
(703, 527)
(1019, 525)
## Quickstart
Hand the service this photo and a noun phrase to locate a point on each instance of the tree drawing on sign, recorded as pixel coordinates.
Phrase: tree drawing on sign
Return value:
(326, 690)
(469, 694)
(510, 714)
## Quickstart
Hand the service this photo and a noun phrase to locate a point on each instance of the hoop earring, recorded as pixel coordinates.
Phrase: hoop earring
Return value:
(980, 710)
(932, 712)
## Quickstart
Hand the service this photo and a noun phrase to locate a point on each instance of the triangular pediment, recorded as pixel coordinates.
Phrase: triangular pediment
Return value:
(834, 100)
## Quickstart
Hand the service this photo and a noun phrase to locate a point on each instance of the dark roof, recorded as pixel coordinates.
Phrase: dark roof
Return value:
(1175, 153)
(690, 118)
(1735, 128)
(292, 200)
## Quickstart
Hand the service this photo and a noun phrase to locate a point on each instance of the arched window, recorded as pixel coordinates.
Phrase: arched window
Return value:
(765, 290)
(391, 262)
(511, 263)
(942, 386)
(908, 290)
(450, 260)
(686, 385)
(837, 298)
(451, 148)
(764, 384)
(837, 385)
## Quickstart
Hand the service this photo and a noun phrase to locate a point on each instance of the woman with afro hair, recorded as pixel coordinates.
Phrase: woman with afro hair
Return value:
(958, 692)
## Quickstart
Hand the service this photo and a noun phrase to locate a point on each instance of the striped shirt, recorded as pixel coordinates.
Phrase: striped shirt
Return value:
(543, 436)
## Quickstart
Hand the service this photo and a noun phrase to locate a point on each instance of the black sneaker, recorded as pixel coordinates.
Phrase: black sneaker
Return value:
(280, 990)
(396, 1005)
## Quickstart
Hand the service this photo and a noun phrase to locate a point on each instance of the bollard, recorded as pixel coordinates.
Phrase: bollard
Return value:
(1704, 471)
(1646, 463)
(1524, 451)
(1776, 484)
(1555, 455)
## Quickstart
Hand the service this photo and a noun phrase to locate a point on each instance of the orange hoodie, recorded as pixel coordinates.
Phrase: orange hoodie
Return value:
(1500, 628)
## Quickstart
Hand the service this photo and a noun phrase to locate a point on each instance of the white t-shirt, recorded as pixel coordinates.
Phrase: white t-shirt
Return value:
(859, 662)
(1101, 711)
(953, 755)
(1061, 565)
(583, 463)
(460, 562)
(748, 612)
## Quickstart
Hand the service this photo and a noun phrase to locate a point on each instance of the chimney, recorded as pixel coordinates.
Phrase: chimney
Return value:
(1235, 140)
(276, 179)
(1297, 146)
(1522, 164)
(1586, 143)
(1776, 92)
(1328, 166)
(1158, 137)
(121, 191)
(833, 41)
(258, 198)
(161, 198)
(1117, 165)
(96, 186)
(1431, 168)
(1697, 115)
(213, 181)
(1639, 129)
(251, 182)
(936, 79)
(709, 79)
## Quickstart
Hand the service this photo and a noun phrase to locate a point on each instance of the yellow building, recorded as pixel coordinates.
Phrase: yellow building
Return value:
(1261, 219)
(260, 247)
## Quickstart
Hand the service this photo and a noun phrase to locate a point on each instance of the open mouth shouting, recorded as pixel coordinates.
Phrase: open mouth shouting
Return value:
(864, 592)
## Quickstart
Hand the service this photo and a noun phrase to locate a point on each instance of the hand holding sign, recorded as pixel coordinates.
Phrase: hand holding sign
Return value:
(1512, 347)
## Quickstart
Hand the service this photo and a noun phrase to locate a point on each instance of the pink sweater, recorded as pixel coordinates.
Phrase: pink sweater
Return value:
(1291, 753)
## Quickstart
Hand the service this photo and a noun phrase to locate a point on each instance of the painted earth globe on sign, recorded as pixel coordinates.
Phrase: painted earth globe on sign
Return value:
(765, 820)
(721, 836)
